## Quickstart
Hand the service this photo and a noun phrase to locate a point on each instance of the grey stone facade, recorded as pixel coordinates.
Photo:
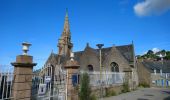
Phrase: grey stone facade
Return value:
(151, 71)
(123, 57)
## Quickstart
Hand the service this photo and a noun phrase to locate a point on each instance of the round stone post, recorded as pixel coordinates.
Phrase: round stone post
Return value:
(72, 67)
(23, 67)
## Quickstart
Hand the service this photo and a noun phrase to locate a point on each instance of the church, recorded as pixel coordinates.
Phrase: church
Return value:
(114, 58)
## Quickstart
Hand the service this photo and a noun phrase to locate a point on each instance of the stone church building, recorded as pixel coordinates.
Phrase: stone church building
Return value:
(114, 58)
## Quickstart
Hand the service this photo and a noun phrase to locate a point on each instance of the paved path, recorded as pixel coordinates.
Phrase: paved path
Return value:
(144, 94)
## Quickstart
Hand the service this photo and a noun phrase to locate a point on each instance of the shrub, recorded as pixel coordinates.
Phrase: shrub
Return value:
(110, 93)
(85, 90)
(144, 84)
(93, 97)
(125, 87)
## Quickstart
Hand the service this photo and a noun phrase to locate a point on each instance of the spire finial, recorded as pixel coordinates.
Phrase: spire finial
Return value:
(66, 23)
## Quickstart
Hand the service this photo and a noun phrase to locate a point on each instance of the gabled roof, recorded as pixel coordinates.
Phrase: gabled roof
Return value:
(56, 59)
(151, 65)
(52, 59)
(126, 50)
(77, 55)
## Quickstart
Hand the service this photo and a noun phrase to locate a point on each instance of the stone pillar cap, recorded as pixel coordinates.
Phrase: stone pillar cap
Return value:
(24, 60)
(72, 64)
(23, 64)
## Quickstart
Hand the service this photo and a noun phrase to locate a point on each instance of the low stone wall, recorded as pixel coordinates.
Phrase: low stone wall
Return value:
(117, 88)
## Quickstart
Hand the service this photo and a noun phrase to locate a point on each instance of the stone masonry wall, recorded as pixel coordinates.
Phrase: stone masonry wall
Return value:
(143, 74)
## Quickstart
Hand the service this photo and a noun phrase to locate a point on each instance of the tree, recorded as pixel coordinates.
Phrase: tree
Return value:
(163, 51)
(85, 90)
(167, 55)
(150, 52)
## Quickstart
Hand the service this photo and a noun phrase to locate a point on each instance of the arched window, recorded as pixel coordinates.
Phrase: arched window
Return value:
(90, 68)
(114, 67)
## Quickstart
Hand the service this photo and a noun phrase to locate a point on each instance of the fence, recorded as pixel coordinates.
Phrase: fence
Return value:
(166, 75)
(47, 84)
(106, 78)
(6, 80)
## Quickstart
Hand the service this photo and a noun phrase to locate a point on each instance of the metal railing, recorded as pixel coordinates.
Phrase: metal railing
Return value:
(166, 75)
(6, 81)
(44, 85)
(107, 78)
(50, 83)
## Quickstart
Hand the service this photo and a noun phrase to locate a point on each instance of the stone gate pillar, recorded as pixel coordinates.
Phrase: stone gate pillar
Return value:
(72, 67)
(22, 83)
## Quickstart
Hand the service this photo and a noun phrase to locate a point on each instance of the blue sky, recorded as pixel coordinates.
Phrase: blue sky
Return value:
(118, 22)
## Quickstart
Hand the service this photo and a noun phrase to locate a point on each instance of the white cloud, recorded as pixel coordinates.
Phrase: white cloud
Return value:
(155, 50)
(145, 53)
(151, 7)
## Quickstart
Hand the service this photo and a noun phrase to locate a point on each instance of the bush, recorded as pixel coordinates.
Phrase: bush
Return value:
(93, 97)
(110, 93)
(125, 87)
(145, 85)
(85, 90)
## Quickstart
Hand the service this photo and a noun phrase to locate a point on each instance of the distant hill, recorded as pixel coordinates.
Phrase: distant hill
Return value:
(150, 55)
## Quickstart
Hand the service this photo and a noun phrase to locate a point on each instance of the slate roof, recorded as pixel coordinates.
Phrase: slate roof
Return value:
(77, 55)
(126, 50)
(151, 65)
(52, 56)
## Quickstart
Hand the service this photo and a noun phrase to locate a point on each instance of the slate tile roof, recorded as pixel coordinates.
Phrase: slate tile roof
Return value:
(151, 65)
(126, 50)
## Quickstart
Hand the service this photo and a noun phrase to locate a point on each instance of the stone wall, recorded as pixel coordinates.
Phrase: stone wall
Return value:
(115, 56)
(143, 74)
(89, 57)
(116, 88)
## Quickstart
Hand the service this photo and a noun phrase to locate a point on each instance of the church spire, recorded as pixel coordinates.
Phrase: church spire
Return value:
(64, 44)
(66, 30)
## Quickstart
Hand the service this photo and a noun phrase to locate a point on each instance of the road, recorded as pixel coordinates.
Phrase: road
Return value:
(144, 94)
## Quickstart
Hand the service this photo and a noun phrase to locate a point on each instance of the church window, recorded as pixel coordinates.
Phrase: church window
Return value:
(90, 68)
(114, 67)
